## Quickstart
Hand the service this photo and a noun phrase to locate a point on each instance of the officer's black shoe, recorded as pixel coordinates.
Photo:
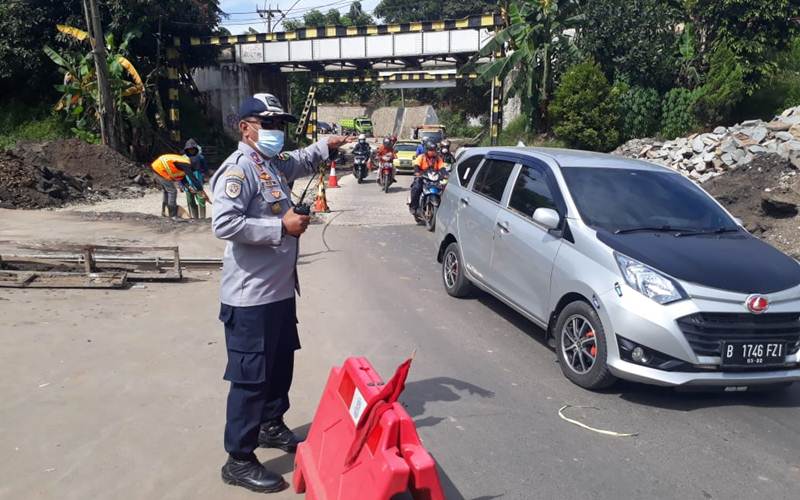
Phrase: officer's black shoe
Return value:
(252, 475)
(275, 434)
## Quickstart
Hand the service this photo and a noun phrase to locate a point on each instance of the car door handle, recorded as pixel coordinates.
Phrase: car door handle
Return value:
(465, 201)
(503, 226)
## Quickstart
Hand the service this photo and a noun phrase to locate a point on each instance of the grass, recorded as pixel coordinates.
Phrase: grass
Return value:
(23, 123)
(515, 132)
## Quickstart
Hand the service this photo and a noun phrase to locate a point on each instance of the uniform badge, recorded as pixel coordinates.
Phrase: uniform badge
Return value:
(276, 208)
(238, 174)
(264, 176)
(233, 188)
(283, 156)
(256, 159)
(277, 194)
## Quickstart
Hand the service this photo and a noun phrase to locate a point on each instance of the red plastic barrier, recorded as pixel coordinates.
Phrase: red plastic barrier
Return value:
(423, 480)
(379, 472)
(392, 461)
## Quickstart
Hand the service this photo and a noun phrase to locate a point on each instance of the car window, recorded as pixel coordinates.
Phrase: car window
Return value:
(626, 199)
(467, 168)
(492, 179)
(531, 191)
(406, 147)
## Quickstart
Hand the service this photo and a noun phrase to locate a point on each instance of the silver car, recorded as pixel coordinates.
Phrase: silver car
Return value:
(632, 270)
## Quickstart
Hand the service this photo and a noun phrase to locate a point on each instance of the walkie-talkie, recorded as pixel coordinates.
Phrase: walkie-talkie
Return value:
(301, 207)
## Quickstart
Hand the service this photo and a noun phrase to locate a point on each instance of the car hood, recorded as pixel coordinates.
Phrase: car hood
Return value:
(737, 262)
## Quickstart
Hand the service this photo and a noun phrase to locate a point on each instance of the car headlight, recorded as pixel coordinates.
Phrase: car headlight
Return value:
(648, 281)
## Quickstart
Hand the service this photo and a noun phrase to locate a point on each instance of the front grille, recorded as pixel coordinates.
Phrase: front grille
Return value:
(706, 331)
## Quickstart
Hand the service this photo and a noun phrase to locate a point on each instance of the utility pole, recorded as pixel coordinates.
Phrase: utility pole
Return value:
(268, 13)
(108, 129)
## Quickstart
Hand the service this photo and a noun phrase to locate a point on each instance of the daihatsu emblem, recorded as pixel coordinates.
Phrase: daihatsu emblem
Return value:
(756, 304)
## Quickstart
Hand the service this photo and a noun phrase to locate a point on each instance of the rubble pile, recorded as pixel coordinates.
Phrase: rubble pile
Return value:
(53, 173)
(705, 156)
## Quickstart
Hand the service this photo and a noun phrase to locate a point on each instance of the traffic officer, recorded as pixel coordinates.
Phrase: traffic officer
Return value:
(253, 212)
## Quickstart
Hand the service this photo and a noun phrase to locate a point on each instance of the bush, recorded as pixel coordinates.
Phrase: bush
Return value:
(723, 89)
(639, 111)
(677, 117)
(584, 109)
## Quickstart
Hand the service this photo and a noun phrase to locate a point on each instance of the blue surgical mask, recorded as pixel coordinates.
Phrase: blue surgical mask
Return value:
(270, 142)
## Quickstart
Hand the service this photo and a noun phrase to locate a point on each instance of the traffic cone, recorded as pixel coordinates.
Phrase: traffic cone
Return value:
(321, 203)
(332, 181)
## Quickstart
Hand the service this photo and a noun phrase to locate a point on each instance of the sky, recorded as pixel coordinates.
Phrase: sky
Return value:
(243, 12)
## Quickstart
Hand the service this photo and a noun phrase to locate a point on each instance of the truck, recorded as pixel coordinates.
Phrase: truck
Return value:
(430, 133)
(358, 125)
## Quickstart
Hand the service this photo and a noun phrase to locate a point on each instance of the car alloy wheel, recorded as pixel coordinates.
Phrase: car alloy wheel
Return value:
(579, 344)
(451, 269)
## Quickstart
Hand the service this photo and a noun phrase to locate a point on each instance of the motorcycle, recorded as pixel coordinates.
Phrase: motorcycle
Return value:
(433, 185)
(386, 172)
(360, 168)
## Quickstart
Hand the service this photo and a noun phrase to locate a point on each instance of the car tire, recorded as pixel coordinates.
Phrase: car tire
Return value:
(455, 281)
(581, 347)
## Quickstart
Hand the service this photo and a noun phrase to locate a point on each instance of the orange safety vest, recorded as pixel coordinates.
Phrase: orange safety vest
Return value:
(424, 163)
(165, 167)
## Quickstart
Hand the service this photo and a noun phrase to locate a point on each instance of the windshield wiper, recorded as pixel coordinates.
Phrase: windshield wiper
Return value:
(719, 230)
(653, 229)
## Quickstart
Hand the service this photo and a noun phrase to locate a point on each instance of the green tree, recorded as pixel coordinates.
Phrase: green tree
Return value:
(404, 11)
(28, 25)
(723, 89)
(635, 39)
(539, 47)
(754, 30)
(584, 109)
(354, 17)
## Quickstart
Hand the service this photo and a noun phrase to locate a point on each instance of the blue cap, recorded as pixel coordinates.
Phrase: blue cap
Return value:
(264, 105)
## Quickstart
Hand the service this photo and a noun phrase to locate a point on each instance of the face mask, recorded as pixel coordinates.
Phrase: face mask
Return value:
(270, 142)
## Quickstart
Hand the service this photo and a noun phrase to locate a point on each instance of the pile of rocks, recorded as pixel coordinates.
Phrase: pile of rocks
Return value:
(707, 155)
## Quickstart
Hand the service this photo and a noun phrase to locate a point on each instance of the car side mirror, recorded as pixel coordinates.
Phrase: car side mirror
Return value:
(547, 217)
(738, 221)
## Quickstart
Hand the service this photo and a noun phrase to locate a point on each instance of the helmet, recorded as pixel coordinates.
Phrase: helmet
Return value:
(387, 142)
(394, 138)
(430, 146)
(362, 138)
(445, 143)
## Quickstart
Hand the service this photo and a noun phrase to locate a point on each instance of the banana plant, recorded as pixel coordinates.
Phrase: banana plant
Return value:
(536, 43)
(80, 97)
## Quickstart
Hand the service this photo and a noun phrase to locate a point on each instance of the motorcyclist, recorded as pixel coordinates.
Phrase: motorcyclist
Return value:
(430, 160)
(420, 147)
(361, 147)
(386, 148)
(444, 151)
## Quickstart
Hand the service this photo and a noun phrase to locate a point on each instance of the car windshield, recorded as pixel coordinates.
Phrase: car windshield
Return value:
(405, 147)
(432, 136)
(624, 200)
(364, 123)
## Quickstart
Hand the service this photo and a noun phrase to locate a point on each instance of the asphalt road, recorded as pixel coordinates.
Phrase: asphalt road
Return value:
(118, 394)
(485, 389)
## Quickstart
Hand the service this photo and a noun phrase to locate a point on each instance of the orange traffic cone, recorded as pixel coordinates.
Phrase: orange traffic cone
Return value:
(321, 203)
(332, 181)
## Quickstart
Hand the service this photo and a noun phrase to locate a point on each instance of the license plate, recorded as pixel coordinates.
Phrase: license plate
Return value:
(753, 353)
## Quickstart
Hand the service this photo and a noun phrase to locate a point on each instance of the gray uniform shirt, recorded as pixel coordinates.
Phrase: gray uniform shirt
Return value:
(251, 196)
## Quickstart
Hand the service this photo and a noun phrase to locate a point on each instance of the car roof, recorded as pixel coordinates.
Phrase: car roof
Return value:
(574, 158)
(407, 143)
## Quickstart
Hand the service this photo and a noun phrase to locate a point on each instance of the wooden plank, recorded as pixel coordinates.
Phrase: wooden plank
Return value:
(27, 279)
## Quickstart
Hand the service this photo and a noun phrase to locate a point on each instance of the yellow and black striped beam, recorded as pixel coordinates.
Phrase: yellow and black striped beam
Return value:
(473, 22)
(173, 96)
(397, 77)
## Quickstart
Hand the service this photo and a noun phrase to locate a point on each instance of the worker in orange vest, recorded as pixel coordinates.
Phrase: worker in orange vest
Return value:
(171, 170)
